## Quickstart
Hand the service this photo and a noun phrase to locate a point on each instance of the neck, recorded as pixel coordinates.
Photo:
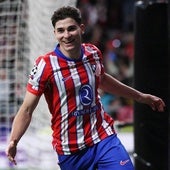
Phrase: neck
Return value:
(73, 54)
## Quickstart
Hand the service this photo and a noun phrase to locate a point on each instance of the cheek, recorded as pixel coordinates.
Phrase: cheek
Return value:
(78, 36)
(57, 37)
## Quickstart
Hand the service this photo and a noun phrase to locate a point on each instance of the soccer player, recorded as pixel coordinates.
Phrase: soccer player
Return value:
(69, 77)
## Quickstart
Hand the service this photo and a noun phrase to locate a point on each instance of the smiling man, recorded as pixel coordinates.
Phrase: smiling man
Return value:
(69, 77)
(68, 33)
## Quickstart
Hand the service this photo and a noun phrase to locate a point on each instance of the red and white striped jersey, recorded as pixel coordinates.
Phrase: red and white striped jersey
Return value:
(71, 91)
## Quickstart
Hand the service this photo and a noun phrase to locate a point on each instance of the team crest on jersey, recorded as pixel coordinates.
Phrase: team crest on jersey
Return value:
(85, 60)
(96, 69)
(93, 68)
(33, 71)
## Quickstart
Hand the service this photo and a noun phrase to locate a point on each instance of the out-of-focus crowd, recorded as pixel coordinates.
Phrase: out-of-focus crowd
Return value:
(109, 25)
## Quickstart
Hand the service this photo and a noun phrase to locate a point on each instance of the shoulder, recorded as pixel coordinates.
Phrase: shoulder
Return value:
(92, 49)
(45, 58)
(89, 46)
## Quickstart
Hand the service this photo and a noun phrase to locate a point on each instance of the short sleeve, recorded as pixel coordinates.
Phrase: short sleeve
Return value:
(37, 78)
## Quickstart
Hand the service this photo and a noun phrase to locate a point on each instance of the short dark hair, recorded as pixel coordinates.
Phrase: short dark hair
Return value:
(66, 12)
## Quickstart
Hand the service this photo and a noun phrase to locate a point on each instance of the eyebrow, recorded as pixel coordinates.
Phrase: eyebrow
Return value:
(69, 27)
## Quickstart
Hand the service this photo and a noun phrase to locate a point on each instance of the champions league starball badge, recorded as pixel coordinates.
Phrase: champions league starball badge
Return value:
(33, 71)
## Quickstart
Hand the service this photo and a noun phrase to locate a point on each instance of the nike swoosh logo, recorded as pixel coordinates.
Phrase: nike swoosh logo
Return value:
(65, 79)
(70, 76)
(124, 162)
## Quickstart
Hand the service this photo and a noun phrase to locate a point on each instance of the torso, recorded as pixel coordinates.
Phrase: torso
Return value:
(70, 88)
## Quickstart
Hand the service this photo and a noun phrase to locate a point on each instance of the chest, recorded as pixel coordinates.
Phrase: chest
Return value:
(74, 74)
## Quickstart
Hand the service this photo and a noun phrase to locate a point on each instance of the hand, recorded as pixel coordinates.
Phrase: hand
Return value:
(156, 103)
(11, 152)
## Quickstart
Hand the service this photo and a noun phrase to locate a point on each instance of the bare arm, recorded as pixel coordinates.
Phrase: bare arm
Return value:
(21, 123)
(113, 86)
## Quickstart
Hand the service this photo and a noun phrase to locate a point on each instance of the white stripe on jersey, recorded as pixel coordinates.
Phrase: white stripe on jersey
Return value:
(76, 79)
(64, 108)
(94, 132)
(79, 119)
(80, 132)
(106, 125)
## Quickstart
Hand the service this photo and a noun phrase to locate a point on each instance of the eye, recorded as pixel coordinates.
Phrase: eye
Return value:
(59, 30)
(72, 28)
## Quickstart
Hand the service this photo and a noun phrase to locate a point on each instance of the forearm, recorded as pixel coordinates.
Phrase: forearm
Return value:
(23, 117)
(20, 124)
(115, 87)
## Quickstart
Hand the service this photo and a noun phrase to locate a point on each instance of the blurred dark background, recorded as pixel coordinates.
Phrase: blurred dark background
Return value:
(110, 26)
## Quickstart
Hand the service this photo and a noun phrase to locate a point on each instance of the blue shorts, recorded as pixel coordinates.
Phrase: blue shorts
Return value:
(109, 154)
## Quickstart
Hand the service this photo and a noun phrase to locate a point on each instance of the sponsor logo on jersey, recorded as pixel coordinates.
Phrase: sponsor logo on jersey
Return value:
(85, 111)
(86, 95)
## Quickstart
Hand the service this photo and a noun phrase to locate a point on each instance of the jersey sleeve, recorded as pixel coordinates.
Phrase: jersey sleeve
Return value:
(37, 78)
(100, 56)
(101, 60)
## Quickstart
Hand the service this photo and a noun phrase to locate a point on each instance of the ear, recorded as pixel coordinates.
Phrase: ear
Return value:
(82, 27)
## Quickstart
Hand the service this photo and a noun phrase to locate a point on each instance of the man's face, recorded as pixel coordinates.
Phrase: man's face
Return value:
(68, 33)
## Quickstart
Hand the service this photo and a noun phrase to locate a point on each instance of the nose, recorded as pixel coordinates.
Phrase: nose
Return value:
(67, 34)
